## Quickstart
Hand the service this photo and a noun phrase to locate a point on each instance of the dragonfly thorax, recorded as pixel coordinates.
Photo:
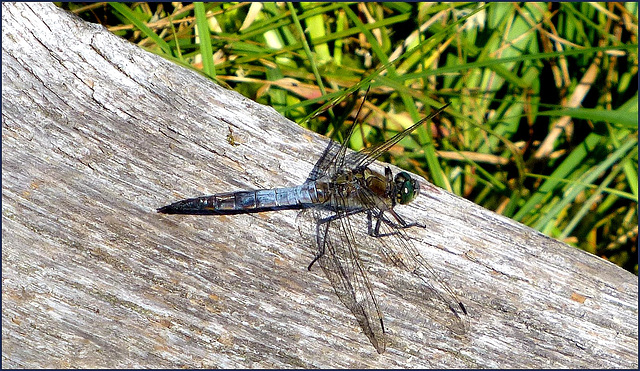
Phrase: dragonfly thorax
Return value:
(406, 188)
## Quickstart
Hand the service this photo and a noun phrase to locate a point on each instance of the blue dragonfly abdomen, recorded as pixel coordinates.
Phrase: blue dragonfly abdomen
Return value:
(305, 195)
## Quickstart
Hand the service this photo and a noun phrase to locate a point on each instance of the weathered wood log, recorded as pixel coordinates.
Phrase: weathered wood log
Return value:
(97, 134)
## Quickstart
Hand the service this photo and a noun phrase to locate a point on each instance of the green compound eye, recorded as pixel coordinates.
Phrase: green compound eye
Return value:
(407, 188)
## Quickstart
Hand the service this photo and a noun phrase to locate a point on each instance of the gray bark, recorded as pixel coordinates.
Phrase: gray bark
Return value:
(98, 133)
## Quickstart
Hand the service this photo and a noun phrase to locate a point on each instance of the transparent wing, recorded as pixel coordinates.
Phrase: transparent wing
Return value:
(325, 166)
(368, 155)
(398, 248)
(333, 157)
(340, 261)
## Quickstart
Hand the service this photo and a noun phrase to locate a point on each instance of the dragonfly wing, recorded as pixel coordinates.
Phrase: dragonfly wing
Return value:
(398, 248)
(343, 267)
(368, 155)
(333, 157)
(325, 166)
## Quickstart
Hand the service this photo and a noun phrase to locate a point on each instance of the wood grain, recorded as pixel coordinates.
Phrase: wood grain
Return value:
(98, 133)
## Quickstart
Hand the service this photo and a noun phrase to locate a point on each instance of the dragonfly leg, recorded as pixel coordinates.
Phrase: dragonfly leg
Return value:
(315, 259)
(402, 224)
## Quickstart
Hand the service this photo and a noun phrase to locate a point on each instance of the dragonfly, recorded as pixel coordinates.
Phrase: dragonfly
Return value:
(341, 189)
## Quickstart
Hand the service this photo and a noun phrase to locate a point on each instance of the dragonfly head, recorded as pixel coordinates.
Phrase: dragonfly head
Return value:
(407, 188)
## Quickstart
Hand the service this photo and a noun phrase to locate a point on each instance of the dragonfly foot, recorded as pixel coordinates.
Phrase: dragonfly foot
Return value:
(318, 256)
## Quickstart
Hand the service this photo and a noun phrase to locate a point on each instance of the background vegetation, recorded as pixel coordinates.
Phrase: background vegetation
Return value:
(543, 125)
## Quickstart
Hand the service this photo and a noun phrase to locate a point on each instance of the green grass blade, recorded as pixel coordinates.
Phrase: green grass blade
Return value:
(569, 196)
(566, 167)
(206, 51)
(127, 13)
